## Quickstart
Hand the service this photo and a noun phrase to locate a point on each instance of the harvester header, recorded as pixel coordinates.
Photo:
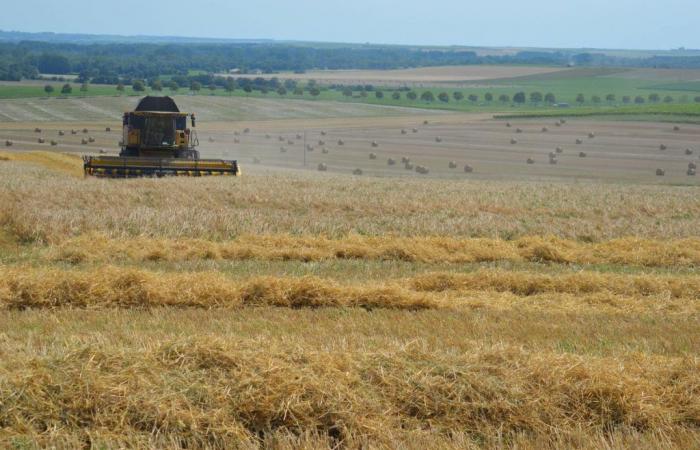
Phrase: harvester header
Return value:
(157, 142)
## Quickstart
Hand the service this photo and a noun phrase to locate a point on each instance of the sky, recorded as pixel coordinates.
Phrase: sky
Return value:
(627, 24)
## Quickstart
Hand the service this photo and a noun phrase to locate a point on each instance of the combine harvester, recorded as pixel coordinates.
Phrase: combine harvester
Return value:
(156, 142)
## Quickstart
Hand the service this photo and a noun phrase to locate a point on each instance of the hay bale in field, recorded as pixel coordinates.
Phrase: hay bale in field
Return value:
(73, 131)
(37, 130)
(372, 156)
(513, 141)
(341, 142)
(375, 144)
(688, 151)
(247, 130)
(121, 143)
(236, 133)
(236, 141)
(322, 167)
(407, 165)
(692, 165)
(518, 130)
(103, 151)
(559, 150)
(8, 143)
(579, 141)
(425, 122)
(415, 130)
(283, 149)
(422, 170)
(562, 121)
(357, 171)
(390, 162)
(553, 160)
(530, 161)
(54, 143)
(508, 125)
(452, 164)
(404, 160)
(545, 129)
(324, 150)
(557, 124)
(41, 140)
(211, 139)
(591, 135)
(108, 129)
(690, 172)
(660, 172)
(321, 142)
(323, 133)
(309, 148)
(403, 131)
(298, 136)
(552, 154)
(676, 128)
(290, 142)
(85, 131)
(280, 138)
(438, 139)
(256, 160)
(91, 139)
(582, 154)
(84, 141)
(468, 168)
(662, 147)
(61, 132)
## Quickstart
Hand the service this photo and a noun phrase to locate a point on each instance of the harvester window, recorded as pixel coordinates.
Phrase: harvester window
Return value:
(159, 131)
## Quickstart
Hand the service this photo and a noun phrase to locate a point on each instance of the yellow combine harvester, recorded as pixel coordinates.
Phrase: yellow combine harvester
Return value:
(156, 142)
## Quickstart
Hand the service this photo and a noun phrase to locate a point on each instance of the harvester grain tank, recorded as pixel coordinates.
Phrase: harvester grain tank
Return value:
(157, 142)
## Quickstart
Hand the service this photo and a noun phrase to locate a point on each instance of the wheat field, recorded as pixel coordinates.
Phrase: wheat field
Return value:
(303, 310)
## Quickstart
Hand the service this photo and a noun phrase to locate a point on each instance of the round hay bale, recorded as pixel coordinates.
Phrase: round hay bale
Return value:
(290, 142)
(438, 139)
(375, 144)
(425, 122)
(452, 164)
(84, 141)
(322, 167)
(247, 130)
(108, 129)
(309, 148)
(321, 142)
(403, 131)
(422, 170)
(236, 133)
(256, 160)
(508, 125)
(73, 131)
(692, 165)
(61, 133)
(37, 130)
(341, 142)
(690, 172)
(562, 121)
(280, 138)
(41, 140)
(8, 143)
(530, 161)
(557, 124)
(559, 150)
(545, 129)
(662, 147)
(513, 141)
(236, 140)
(552, 155)
(357, 171)
(390, 162)
(518, 130)
(211, 139)
(660, 172)
(372, 156)
(91, 139)
(468, 168)
(591, 135)
(579, 141)
(582, 154)
(324, 150)
(408, 166)
(298, 136)
(54, 143)
(415, 130)
(103, 151)
(404, 160)
(283, 149)
(85, 131)
(676, 128)
(323, 133)
(553, 160)
(688, 151)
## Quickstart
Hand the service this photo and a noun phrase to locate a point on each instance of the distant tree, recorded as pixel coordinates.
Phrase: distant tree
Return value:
(212, 88)
(580, 99)
(536, 97)
(488, 97)
(66, 89)
(654, 98)
(247, 88)
(48, 89)
(412, 95)
(230, 85)
(473, 98)
(379, 94)
(298, 91)
(369, 87)
(596, 99)
(310, 85)
(427, 96)
(347, 91)
(457, 96)
(120, 88)
(504, 98)
(519, 97)
(138, 86)
(173, 86)
(639, 99)
(610, 98)
(626, 99)
(550, 98)
(282, 90)
(396, 95)
(668, 99)
(195, 86)
(84, 87)
(314, 91)
(443, 97)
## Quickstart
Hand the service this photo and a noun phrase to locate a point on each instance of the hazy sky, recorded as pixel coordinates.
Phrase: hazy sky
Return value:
(647, 24)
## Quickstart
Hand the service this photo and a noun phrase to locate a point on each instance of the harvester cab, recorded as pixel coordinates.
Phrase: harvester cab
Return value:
(157, 142)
